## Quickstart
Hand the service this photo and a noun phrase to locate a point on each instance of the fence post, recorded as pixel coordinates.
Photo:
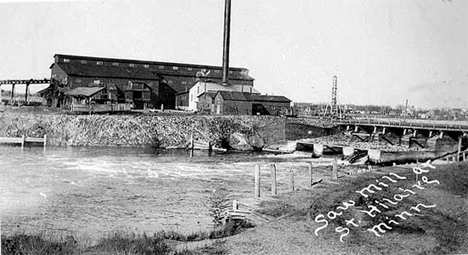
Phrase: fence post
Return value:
(273, 179)
(257, 180)
(235, 205)
(192, 143)
(291, 180)
(310, 179)
(459, 147)
(335, 169)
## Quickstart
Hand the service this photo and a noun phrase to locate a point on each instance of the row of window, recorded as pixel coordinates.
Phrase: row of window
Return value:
(100, 63)
(98, 81)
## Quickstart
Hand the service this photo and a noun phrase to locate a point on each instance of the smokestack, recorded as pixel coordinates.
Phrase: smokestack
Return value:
(227, 32)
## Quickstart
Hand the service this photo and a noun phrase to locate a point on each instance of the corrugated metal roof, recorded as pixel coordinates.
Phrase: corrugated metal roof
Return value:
(243, 72)
(79, 69)
(268, 98)
(210, 94)
(245, 96)
(84, 91)
(235, 96)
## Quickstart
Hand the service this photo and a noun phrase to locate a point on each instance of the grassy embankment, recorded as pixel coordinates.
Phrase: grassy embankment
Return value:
(441, 228)
(116, 243)
(162, 242)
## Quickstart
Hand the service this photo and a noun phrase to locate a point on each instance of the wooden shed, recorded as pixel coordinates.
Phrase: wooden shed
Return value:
(243, 103)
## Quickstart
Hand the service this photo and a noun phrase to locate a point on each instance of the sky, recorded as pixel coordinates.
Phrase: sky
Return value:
(383, 52)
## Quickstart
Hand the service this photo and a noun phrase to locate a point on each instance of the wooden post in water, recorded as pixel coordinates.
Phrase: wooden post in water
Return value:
(257, 180)
(459, 147)
(45, 141)
(273, 180)
(235, 205)
(291, 180)
(23, 139)
(192, 145)
(335, 170)
(464, 155)
(310, 179)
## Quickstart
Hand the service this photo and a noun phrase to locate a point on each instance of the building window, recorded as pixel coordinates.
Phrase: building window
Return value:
(189, 68)
(66, 60)
(216, 71)
(184, 82)
(115, 64)
(175, 68)
(131, 65)
(97, 82)
(146, 66)
(161, 67)
(99, 63)
(84, 61)
(231, 72)
(78, 80)
(170, 82)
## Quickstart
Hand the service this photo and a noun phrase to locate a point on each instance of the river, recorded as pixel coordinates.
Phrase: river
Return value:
(89, 192)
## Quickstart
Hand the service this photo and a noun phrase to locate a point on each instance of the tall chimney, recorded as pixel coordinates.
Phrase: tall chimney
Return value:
(227, 32)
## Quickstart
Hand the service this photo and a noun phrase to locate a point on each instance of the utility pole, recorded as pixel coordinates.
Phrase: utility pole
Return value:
(406, 110)
(226, 39)
(334, 107)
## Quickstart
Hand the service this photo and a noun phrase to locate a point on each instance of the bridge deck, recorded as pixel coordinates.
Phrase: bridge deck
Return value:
(410, 124)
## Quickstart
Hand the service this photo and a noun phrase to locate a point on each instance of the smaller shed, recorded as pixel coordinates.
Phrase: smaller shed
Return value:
(205, 102)
(79, 99)
(87, 99)
(270, 105)
(82, 95)
(243, 103)
(233, 103)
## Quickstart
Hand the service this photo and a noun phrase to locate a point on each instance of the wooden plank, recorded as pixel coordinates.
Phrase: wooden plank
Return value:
(34, 140)
(11, 140)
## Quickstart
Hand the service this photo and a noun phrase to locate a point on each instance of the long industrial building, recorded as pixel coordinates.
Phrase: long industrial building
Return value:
(146, 84)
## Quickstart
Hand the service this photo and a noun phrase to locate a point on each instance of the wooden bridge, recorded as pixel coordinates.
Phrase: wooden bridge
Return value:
(421, 133)
(29, 82)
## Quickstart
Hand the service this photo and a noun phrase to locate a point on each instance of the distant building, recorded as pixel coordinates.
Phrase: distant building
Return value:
(243, 103)
(144, 83)
(209, 86)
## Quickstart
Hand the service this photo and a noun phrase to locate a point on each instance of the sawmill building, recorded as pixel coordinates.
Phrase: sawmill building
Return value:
(146, 84)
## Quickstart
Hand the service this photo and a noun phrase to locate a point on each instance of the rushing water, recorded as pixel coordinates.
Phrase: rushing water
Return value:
(93, 191)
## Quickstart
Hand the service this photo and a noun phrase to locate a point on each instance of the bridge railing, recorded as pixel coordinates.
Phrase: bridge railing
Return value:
(405, 123)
